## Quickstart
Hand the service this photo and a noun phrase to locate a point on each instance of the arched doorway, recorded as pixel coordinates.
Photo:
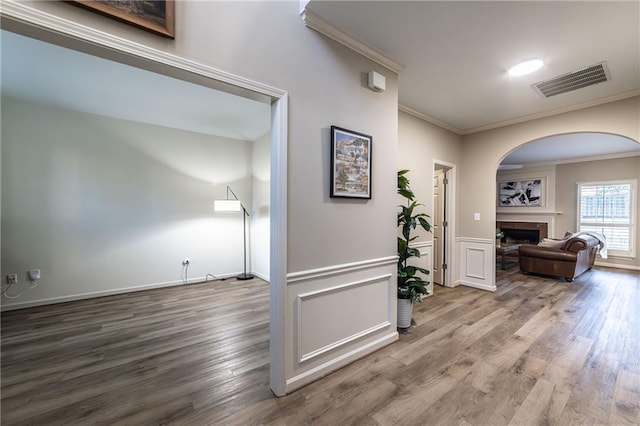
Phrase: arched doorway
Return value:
(556, 165)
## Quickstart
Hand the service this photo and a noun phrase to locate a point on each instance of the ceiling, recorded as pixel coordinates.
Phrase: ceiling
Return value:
(455, 54)
(454, 57)
(50, 75)
(572, 148)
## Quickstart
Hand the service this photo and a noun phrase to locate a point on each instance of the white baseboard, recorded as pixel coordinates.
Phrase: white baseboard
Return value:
(261, 276)
(102, 293)
(476, 285)
(322, 370)
(617, 266)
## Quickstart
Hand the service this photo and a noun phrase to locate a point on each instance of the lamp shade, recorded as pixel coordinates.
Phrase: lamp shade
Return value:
(227, 205)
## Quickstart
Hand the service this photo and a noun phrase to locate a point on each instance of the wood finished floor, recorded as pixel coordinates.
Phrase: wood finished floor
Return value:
(537, 351)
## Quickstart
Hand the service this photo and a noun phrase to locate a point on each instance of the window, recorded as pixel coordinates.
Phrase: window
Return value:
(609, 208)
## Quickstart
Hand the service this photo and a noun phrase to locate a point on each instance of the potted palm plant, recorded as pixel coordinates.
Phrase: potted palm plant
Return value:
(411, 286)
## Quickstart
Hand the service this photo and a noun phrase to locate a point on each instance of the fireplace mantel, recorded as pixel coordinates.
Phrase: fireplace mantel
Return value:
(528, 213)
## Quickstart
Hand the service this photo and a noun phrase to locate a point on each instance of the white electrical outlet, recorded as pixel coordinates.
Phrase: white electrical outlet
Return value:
(12, 279)
(34, 274)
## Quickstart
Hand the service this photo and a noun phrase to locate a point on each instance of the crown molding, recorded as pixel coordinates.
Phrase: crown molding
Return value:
(582, 105)
(584, 159)
(429, 119)
(313, 21)
(14, 11)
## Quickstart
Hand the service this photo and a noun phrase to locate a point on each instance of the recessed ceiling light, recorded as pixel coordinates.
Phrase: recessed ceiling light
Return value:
(526, 67)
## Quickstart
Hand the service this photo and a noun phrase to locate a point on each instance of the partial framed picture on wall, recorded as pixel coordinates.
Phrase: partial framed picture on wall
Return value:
(521, 193)
(157, 16)
(350, 163)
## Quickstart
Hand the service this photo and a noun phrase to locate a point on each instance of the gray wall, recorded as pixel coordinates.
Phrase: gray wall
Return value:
(483, 152)
(419, 144)
(336, 263)
(268, 42)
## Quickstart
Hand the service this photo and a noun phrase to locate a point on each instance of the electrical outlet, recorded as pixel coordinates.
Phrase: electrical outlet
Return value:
(186, 262)
(34, 274)
(12, 279)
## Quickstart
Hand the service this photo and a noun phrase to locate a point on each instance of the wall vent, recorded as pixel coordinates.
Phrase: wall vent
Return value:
(588, 76)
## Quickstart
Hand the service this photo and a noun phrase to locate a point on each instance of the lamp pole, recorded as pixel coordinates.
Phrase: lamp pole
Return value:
(245, 213)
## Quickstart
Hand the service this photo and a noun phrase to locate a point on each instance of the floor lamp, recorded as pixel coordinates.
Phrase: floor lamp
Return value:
(236, 206)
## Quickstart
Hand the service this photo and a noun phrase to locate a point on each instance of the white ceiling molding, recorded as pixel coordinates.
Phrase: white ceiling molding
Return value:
(588, 104)
(10, 9)
(313, 21)
(429, 119)
(518, 120)
(584, 159)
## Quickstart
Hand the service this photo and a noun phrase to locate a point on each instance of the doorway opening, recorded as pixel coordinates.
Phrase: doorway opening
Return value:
(442, 221)
(26, 21)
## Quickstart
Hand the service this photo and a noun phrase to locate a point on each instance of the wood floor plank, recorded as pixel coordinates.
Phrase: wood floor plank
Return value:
(533, 410)
(625, 409)
(563, 371)
(509, 390)
(537, 351)
(423, 394)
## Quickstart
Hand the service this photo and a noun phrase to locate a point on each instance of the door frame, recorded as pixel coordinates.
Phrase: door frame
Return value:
(25, 20)
(450, 230)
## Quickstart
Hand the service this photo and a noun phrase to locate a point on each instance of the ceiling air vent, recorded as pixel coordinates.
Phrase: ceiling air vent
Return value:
(588, 76)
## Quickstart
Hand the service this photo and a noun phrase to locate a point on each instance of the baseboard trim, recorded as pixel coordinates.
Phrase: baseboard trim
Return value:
(617, 266)
(476, 285)
(261, 276)
(102, 293)
(322, 370)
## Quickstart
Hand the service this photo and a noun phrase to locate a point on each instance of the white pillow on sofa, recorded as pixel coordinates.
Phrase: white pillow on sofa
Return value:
(550, 242)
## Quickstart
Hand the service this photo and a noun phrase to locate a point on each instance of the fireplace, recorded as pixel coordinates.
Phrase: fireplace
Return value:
(523, 232)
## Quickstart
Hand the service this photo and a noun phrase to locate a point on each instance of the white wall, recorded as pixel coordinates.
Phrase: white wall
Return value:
(547, 212)
(331, 246)
(547, 174)
(102, 205)
(260, 213)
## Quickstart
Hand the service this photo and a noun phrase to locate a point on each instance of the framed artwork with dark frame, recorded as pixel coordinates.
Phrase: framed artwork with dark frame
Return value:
(350, 163)
(157, 16)
(521, 193)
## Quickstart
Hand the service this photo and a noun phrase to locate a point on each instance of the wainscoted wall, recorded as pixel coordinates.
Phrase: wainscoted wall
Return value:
(425, 261)
(477, 263)
(339, 314)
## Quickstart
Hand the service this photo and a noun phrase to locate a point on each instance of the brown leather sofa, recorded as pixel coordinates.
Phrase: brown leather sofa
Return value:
(568, 259)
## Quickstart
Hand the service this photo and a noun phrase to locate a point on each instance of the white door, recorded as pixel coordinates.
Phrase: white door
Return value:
(437, 224)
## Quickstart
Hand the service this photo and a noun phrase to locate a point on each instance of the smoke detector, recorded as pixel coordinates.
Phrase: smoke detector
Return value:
(584, 77)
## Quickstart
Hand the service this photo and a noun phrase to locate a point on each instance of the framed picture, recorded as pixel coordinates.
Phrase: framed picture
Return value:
(521, 193)
(157, 16)
(350, 164)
